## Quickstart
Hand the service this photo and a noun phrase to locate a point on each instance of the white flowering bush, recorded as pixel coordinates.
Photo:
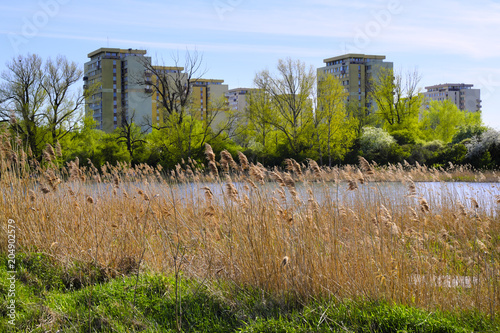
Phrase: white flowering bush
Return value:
(482, 143)
(375, 140)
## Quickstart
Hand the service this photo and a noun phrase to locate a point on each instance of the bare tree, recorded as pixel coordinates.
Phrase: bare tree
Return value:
(173, 84)
(63, 110)
(38, 100)
(23, 99)
(130, 133)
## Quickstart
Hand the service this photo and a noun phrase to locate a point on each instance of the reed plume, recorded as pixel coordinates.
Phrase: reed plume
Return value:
(243, 161)
(315, 168)
(209, 153)
(257, 174)
(365, 166)
(424, 206)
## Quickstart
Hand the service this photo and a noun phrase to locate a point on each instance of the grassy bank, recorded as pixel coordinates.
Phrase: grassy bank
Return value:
(76, 297)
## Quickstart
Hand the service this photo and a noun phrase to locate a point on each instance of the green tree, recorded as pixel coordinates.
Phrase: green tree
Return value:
(398, 99)
(334, 131)
(37, 99)
(255, 122)
(186, 139)
(290, 91)
(442, 120)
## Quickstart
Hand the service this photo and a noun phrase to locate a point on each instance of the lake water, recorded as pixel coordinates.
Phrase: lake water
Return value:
(437, 194)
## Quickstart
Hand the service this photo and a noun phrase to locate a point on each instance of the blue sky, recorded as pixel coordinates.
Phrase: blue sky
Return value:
(447, 41)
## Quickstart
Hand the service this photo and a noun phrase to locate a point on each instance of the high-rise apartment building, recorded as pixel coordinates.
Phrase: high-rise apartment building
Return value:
(355, 72)
(461, 94)
(127, 78)
(121, 93)
(207, 96)
(237, 98)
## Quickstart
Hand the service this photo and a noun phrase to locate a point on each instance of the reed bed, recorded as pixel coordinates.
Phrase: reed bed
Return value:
(300, 233)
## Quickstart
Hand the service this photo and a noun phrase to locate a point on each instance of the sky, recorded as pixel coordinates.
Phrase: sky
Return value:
(447, 41)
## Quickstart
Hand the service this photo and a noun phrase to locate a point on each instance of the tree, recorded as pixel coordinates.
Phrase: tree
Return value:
(130, 133)
(62, 113)
(256, 120)
(186, 139)
(37, 99)
(442, 120)
(375, 142)
(397, 98)
(290, 91)
(172, 84)
(334, 129)
(23, 99)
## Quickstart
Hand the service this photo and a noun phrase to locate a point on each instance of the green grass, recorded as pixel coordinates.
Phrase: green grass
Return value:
(79, 297)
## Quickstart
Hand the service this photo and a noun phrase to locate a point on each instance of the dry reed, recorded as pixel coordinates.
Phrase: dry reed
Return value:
(342, 243)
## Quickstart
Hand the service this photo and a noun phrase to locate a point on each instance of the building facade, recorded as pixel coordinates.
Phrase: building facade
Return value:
(355, 72)
(461, 94)
(126, 80)
(120, 93)
(237, 98)
(208, 95)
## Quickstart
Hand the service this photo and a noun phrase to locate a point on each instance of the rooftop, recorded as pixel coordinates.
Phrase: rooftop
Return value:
(113, 50)
(450, 85)
(354, 55)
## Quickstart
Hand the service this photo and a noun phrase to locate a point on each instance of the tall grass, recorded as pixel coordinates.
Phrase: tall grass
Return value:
(248, 226)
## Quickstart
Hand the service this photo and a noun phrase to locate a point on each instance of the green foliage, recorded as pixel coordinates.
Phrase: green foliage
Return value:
(99, 147)
(288, 93)
(334, 131)
(398, 100)
(405, 136)
(465, 132)
(442, 121)
(256, 129)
